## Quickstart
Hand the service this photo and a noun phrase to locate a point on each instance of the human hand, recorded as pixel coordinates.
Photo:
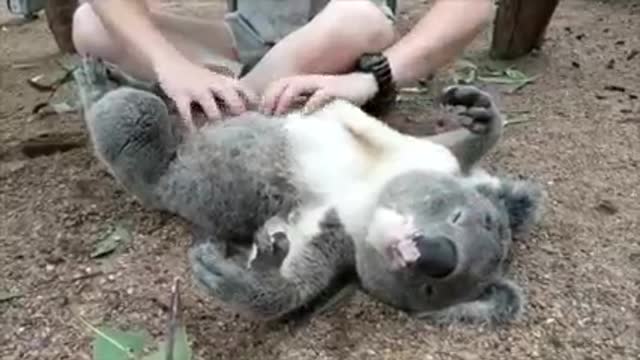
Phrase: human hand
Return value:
(186, 83)
(280, 96)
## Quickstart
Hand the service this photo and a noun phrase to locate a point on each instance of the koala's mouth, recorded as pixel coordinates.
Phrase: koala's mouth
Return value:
(404, 247)
(436, 257)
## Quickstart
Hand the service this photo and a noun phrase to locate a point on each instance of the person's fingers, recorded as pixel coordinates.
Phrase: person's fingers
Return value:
(294, 91)
(249, 96)
(209, 106)
(183, 104)
(230, 97)
(317, 100)
(271, 96)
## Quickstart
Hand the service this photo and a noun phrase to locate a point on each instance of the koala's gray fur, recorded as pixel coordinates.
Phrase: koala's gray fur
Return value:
(242, 166)
(262, 291)
(233, 181)
(227, 180)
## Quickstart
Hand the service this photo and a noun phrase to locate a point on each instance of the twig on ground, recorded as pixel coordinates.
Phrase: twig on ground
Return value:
(55, 84)
(52, 88)
(85, 276)
(45, 284)
(517, 121)
(7, 296)
(23, 66)
(174, 318)
(413, 90)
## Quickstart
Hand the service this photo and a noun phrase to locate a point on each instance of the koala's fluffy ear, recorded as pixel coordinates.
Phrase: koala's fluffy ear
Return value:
(524, 202)
(501, 302)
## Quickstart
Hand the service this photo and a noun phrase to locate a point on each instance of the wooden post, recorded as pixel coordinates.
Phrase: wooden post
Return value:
(520, 26)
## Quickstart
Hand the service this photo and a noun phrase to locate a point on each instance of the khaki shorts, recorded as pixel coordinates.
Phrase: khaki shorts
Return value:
(258, 25)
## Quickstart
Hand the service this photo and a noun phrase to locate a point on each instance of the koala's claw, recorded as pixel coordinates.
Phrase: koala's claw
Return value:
(466, 95)
(92, 80)
(270, 247)
(94, 71)
(475, 107)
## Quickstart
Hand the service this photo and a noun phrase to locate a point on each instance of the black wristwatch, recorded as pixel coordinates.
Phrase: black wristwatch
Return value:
(378, 65)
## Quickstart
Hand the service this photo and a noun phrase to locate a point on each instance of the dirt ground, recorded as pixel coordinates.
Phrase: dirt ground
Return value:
(581, 268)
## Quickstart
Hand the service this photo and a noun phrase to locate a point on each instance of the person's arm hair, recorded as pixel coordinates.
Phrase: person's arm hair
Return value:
(441, 35)
(129, 20)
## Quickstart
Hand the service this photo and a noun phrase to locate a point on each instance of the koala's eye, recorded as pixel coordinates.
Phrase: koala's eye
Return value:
(488, 222)
(456, 216)
(428, 290)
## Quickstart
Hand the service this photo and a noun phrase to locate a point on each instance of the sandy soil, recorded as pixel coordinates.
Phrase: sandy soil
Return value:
(581, 268)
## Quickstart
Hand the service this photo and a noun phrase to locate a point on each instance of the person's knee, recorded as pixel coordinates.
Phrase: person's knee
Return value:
(361, 23)
(89, 35)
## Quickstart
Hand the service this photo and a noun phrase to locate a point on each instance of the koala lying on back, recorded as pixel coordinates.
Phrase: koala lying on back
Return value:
(289, 210)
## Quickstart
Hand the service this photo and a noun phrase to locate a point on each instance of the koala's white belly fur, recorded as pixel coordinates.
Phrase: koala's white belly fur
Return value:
(330, 160)
(327, 157)
(345, 174)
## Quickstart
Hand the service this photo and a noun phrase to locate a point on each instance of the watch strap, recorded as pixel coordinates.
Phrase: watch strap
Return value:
(378, 66)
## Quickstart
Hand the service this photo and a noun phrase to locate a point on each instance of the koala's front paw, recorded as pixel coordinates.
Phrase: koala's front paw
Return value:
(270, 246)
(208, 267)
(91, 80)
(476, 108)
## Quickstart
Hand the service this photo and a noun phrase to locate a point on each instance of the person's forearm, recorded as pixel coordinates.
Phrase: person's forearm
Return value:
(130, 22)
(438, 38)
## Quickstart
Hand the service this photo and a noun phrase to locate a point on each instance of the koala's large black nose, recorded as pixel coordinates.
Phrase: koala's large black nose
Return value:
(438, 256)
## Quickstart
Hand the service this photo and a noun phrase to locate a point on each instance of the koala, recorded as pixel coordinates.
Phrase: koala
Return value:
(290, 211)
(438, 246)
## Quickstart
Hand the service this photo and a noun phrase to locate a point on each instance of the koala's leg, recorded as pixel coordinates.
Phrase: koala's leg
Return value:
(316, 272)
(481, 129)
(92, 81)
(130, 129)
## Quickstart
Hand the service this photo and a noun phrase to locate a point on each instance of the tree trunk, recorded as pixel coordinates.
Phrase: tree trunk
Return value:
(520, 26)
(60, 19)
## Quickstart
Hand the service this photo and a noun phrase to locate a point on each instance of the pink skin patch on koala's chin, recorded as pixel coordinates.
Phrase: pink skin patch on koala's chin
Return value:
(392, 234)
(401, 248)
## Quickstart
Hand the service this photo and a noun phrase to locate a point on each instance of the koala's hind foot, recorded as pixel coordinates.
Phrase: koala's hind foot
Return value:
(133, 135)
(481, 124)
(475, 107)
(271, 245)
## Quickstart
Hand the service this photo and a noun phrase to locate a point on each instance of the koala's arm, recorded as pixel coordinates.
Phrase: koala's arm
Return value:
(501, 302)
(317, 270)
(481, 131)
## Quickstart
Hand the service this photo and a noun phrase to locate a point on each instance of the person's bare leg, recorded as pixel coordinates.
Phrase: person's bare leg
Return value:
(330, 43)
(203, 41)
